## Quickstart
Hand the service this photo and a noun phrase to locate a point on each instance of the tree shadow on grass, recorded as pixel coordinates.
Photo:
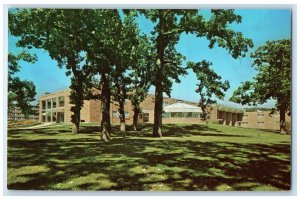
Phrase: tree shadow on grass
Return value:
(138, 164)
(187, 130)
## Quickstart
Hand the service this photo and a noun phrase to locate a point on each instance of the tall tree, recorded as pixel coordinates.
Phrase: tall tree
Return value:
(102, 52)
(273, 81)
(20, 92)
(61, 33)
(209, 86)
(126, 51)
(141, 76)
(169, 24)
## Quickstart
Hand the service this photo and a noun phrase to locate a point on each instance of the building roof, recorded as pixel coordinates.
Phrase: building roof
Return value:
(229, 109)
(182, 107)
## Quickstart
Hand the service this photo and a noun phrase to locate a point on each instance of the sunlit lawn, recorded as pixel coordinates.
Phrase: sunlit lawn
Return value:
(189, 157)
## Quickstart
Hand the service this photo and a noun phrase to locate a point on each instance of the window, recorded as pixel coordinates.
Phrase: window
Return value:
(54, 117)
(260, 123)
(48, 103)
(165, 104)
(54, 103)
(260, 115)
(196, 115)
(146, 117)
(61, 101)
(126, 114)
(166, 115)
(174, 115)
(115, 114)
(43, 105)
(48, 117)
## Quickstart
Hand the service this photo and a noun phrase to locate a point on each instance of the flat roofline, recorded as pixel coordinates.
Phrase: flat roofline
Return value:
(45, 95)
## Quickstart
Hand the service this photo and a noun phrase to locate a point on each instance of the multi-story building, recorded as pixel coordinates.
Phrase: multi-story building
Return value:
(15, 114)
(262, 119)
(55, 107)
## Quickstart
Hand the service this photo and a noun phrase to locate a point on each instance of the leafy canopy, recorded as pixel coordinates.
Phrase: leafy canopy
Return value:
(273, 80)
(20, 92)
(210, 84)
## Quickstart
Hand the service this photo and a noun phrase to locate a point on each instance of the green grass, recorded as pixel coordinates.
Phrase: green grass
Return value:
(190, 157)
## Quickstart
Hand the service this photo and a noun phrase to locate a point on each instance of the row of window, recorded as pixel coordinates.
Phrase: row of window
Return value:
(116, 114)
(260, 123)
(260, 115)
(53, 117)
(181, 115)
(52, 103)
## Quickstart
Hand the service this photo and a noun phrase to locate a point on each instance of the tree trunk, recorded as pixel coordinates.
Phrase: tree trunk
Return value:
(105, 109)
(76, 95)
(75, 118)
(75, 128)
(157, 132)
(283, 129)
(135, 118)
(122, 117)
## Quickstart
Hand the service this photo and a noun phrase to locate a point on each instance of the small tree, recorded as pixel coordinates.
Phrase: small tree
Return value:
(209, 84)
(20, 93)
(273, 81)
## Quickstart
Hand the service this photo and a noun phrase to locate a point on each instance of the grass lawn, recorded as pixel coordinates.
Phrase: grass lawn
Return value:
(190, 157)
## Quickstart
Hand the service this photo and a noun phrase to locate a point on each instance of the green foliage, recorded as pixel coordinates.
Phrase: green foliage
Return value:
(273, 80)
(142, 73)
(169, 24)
(209, 86)
(20, 92)
(126, 60)
(64, 33)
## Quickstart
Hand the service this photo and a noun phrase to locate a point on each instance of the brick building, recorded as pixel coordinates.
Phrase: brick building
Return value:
(263, 120)
(55, 107)
(15, 114)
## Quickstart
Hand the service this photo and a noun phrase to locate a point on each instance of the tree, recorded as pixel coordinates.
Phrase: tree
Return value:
(126, 51)
(169, 24)
(101, 47)
(61, 33)
(141, 76)
(209, 84)
(273, 81)
(20, 93)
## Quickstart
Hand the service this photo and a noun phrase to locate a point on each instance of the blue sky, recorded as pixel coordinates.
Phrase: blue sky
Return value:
(259, 25)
